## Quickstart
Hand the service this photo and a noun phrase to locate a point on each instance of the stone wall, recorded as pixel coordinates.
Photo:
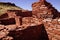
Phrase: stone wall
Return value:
(43, 13)
(13, 13)
(53, 28)
(44, 8)
(48, 14)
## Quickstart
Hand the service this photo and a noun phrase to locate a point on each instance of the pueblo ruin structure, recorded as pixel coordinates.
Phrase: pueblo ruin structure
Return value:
(42, 23)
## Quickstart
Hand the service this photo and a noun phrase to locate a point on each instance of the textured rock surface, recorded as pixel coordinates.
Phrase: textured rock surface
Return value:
(53, 29)
(40, 26)
(43, 9)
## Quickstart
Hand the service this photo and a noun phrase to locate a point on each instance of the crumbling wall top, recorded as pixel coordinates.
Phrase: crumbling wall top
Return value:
(42, 0)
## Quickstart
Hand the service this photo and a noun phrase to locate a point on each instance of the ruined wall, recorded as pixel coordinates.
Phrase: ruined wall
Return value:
(53, 28)
(13, 13)
(43, 13)
(16, 14)
(44, 10)
(49, 16)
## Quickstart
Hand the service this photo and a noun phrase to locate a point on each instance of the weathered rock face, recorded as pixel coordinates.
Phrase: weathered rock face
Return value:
(43, 9)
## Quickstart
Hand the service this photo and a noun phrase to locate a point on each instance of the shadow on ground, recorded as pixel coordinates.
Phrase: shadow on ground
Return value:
(31, 33)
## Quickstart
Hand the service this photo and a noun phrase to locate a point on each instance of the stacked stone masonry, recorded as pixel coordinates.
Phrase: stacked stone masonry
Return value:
(42, 13)
(52, 27)
(44, 8)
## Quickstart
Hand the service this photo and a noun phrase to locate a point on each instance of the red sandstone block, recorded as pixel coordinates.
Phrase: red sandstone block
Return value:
(8, 38)
(49, 28)
(1, 27)
(56, 32)
(55, 21)
(57, 36)
(11, 27)
(54, 38)
(49, 31)
(52, 26)
(50, 38)
(2, 34)
(58, 22)
(51, 34)
(58, 27)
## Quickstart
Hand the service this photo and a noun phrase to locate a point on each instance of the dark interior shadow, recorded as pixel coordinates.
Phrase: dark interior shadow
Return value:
(44, 35)
(31, 33)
